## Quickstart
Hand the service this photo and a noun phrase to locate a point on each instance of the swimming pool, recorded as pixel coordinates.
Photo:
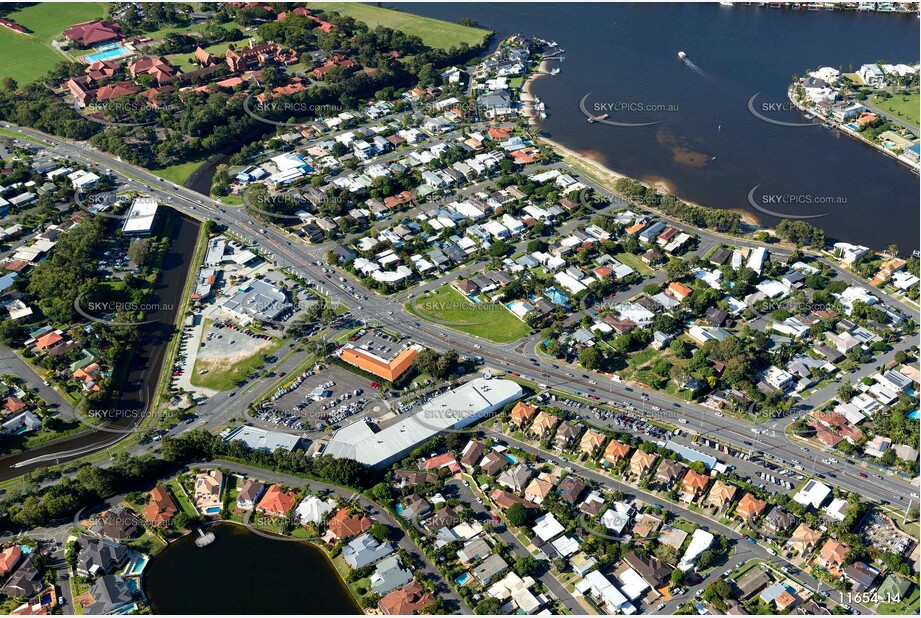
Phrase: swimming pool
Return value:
(511, 458)
(108, 52)
(212, 510)
(462, 579)
(914, 415)
(137, 564)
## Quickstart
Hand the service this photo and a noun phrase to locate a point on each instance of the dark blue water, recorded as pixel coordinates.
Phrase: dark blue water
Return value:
(627, 53)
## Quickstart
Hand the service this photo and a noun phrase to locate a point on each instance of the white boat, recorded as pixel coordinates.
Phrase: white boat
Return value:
(555, 72)
(727, 3)
(682, 55)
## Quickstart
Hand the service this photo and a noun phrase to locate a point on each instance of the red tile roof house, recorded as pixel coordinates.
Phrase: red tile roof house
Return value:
(101, 69)
(276, 502)
(93, 32)
(82, 88)
(9, 558)
(160, 509)
(158, 68)
(114, 91)
(344, 526)
(445, 460)
(48, 341)
(679, 290)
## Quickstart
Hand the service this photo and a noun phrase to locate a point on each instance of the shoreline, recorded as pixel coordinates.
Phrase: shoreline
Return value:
(840, 126)
(608, 175)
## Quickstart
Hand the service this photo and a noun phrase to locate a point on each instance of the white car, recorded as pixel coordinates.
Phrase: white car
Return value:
(755, 431)
(719, 414)
(683, 420)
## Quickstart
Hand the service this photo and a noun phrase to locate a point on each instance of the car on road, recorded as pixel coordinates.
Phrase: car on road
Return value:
(739, 564)
(755, 431)
(719, 414)
(863, 475)
(660, 606)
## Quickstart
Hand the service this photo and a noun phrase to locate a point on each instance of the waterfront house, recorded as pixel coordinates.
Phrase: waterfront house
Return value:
(160, 508)
(99, 557)
(409, 600)
(313, 510)
(207, 497)
(249, 494)
(276, 502)
(111, 595)
(342, 526)
(364, 550)
(389, 574)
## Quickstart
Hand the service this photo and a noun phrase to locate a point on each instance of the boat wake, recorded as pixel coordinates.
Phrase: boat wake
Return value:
(694, 67)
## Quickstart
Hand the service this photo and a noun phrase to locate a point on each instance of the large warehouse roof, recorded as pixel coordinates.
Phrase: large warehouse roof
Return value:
(454, 409)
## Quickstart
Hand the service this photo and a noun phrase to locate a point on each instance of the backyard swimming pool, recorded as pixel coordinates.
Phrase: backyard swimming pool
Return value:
(212, 510)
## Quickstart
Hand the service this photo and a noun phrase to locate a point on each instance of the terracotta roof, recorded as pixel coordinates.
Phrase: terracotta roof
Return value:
(750, 507)
(591, 441)
(410, 599)
(386, 370)
(161, 508)
(276, 502)
(616, 451)
(834, 552)
(47, 340)
(522, 413)
(345, 526)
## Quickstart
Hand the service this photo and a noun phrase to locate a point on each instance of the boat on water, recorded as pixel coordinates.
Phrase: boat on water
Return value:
(555, 72)
(727, 3)
(682, 55)
(592, 119)
(809, 116)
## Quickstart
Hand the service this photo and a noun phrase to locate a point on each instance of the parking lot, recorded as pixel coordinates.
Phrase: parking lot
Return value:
(316, 399)
(377, 342)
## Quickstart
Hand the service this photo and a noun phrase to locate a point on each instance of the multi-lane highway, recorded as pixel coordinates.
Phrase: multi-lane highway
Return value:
(306, 262)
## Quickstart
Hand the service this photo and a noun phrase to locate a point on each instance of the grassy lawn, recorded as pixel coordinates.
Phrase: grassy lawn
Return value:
(907, 607)
(488, 320)
(179, 173)
(226, 379)
(433, 32)
(186, 62)
(180, 497)
(905, 107)
(28, 57)
(634, 262)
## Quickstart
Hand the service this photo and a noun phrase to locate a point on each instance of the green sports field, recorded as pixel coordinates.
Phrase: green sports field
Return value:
(27, 57)
(904, 107)
(433, 32)
(487, 320)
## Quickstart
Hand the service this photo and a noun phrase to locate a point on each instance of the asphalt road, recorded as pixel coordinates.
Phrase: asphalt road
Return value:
(307, 262)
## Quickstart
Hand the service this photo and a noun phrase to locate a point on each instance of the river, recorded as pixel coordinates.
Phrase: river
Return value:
(706, 146)
(141, 381)
(245, 573)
